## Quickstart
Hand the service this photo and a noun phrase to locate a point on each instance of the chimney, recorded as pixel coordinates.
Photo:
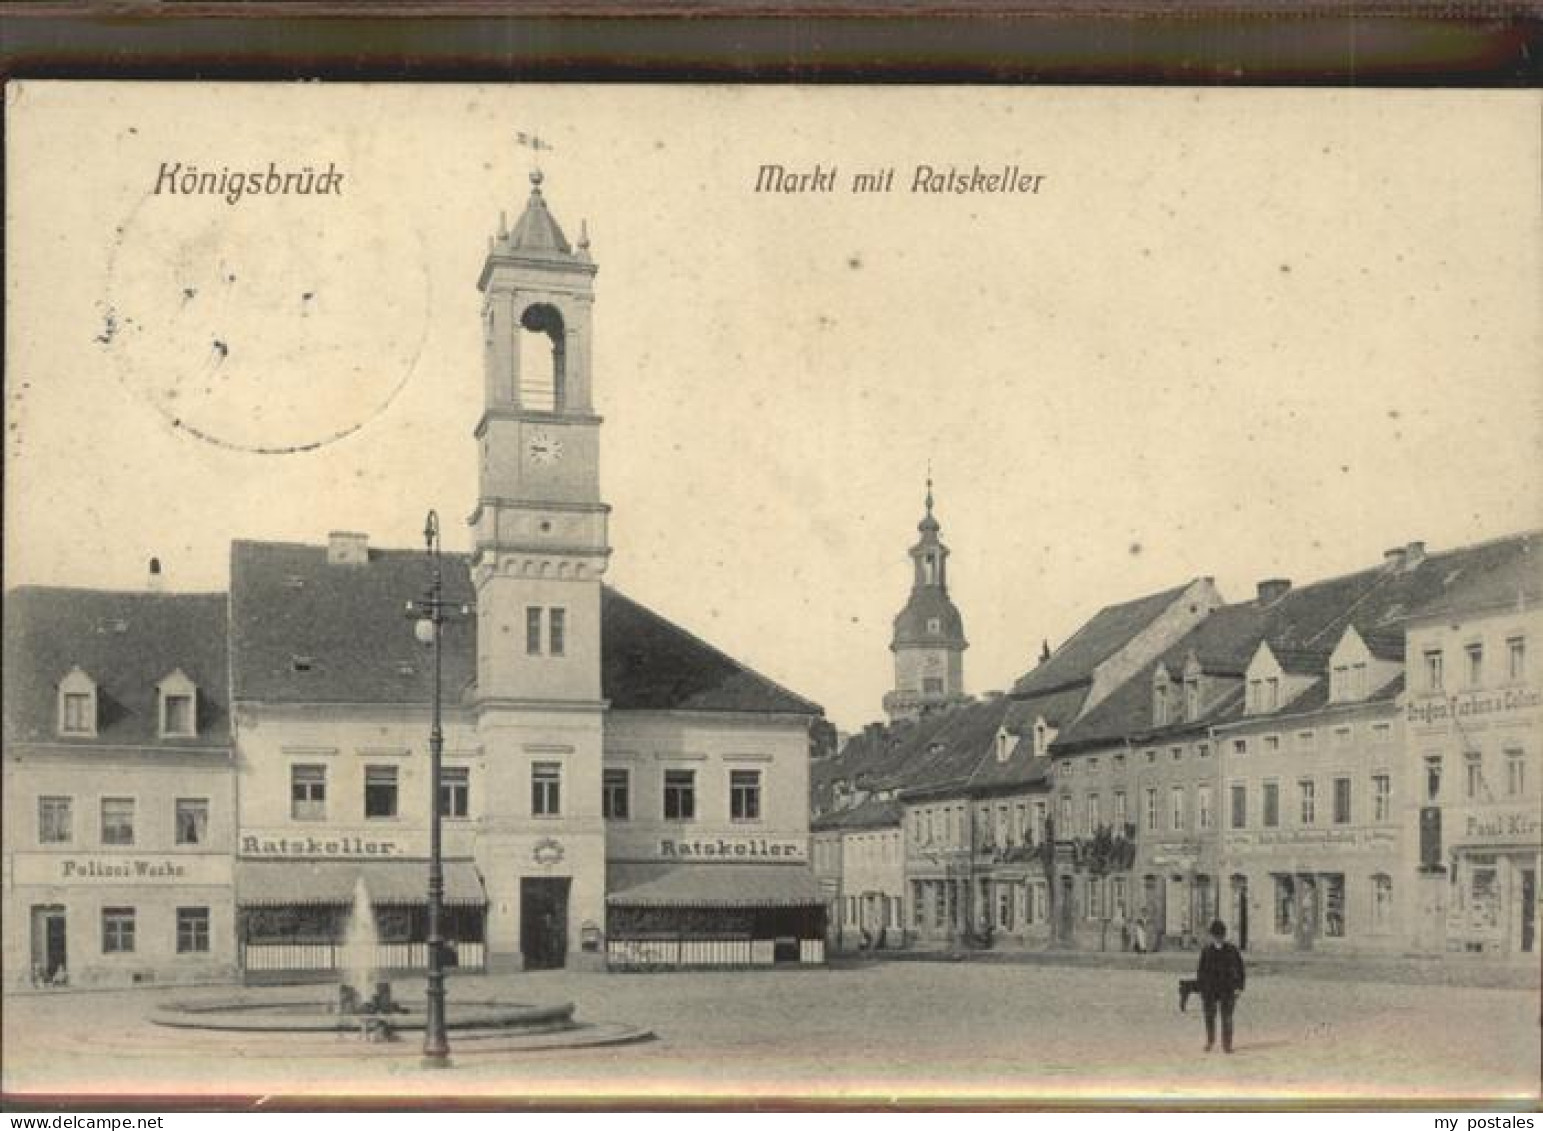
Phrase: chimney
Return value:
(1393, 559)
(1273, 589)
(1414, 554)
(154, 582)
(344, 547)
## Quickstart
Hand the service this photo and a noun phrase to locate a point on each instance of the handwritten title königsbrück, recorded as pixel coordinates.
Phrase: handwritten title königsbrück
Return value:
(977, 180)
(175, 179)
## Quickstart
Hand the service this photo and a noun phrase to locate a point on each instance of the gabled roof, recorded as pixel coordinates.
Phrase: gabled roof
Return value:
(348, 628)
(126, 642)
(1109, 630)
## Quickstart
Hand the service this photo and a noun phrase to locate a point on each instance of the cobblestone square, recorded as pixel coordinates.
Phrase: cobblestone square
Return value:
(874, 1033)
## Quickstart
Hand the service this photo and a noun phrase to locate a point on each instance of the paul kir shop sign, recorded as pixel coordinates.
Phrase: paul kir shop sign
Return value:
(730, 848)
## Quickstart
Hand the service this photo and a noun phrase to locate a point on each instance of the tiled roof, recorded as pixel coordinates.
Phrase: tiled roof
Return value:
(1109, 630)
(1510, 571)
(946, 759)
(346, 626)
(1302, 628)
(871, 814)
(127, 642)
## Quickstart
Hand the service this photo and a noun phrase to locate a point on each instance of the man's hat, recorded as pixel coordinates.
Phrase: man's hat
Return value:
(1218, 928)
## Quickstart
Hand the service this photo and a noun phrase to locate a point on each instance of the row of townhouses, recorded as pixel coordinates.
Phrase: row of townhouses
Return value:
(201, 787)
(1350, 765)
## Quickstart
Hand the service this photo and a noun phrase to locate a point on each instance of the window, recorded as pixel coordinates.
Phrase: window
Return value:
(1271, 693)
(1272, 744)
(1203, 749)
(308, 792)
(1433, 670)
(117, 820)
(76, 716)
(1341, 801)
(1203, 805)
(192, 930)
(1432, 777)
(192, 820)
(1177, 753)
(1382, 733)
(1160, 703)
(1151, 757)
(77, 703)
(932, 685)
(1240, 806)
(1117, 896)
(557, 631)
(1066, 816)
(1092, 814)
(1473, 769)
(54, 821)
(679, 795)
(934, 624)
(1474, 654)
(117, 930)
(1382, 797)
(1121, 817)
(1306, 739)
(454, 791)
(1516, 658)
(177, 715)
(1095, 897)
(1382, 903)
(380, 791)
(1358, 681)
(1339, 683)
(546, 789)
(1151, 809)
(744, 795)
(1307, 796)
(1255, 695)
(1515, 773)
(616, 799)
(1041, 814)
(1192, 699)
(1270, 817)
(1240, 746)
(1342, 737)
(1176, 808)
(532, 630)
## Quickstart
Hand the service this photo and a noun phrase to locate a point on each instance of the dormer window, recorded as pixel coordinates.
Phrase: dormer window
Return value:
(1043, 737)
(1192, 698)
(178, 697)
(77, 704)
(1004, 744)
(1160, 697)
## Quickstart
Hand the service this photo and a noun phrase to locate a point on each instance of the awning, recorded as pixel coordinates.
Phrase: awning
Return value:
(287, 883)
(658, 884)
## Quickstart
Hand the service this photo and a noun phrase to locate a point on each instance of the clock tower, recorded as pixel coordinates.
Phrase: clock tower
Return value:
(540, 547)
(928, 641)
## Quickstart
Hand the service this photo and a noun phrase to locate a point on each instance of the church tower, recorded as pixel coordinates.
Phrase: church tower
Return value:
(928, 641)
(540, 547)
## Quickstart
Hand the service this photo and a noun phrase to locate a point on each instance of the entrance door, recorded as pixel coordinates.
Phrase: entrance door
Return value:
(48, 945)
(1240, 910)
(544, 922)
(1307, 912)
(1529, 903)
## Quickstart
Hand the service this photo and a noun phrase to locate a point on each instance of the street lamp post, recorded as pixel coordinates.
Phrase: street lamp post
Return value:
(436, 1045)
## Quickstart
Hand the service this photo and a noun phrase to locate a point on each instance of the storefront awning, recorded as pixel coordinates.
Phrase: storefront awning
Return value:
(289, 883)
(658, 884)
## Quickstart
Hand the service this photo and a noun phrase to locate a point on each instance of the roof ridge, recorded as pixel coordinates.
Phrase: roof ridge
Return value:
(147, 594)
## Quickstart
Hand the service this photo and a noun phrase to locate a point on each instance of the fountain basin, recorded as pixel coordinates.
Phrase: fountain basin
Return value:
(252, 1015)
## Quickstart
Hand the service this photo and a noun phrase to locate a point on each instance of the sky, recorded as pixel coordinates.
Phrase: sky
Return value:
(1240, 334)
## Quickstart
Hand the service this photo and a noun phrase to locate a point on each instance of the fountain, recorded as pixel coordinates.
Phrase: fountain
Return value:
(364, 1005)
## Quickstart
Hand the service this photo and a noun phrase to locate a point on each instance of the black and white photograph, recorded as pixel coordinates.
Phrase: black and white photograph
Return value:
(851, 594)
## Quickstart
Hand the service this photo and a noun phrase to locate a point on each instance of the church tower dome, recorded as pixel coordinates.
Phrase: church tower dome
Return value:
(928, 640)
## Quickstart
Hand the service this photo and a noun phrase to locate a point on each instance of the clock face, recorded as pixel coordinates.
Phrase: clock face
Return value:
(543, 448)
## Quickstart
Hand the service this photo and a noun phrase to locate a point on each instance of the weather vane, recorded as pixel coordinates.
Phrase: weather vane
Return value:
(532, 142)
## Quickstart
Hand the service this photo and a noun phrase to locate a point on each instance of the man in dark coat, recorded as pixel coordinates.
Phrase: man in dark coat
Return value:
(1220, 975)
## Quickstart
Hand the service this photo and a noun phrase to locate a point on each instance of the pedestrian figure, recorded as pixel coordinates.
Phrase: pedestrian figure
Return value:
(1139, 935)
(1220, 977)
